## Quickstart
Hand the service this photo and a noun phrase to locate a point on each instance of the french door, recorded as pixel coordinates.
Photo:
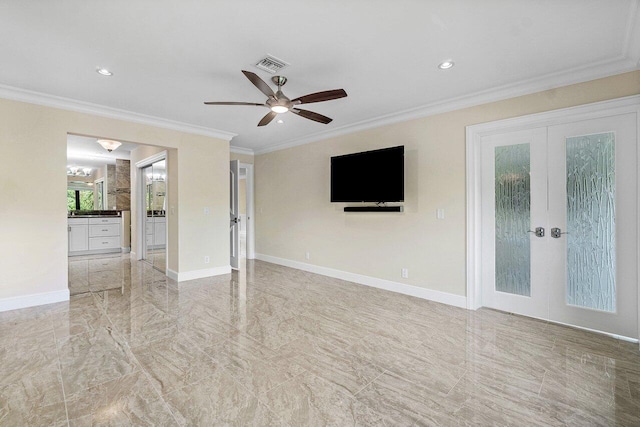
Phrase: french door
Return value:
(559, 223)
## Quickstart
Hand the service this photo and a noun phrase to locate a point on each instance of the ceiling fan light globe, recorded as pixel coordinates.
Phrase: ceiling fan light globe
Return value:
(279, 109)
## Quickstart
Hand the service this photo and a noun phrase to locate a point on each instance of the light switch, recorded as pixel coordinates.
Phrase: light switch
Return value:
(440, 213)
(207, 210)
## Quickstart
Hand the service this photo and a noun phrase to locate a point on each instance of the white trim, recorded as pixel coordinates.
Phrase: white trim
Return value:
(152, 159)
(474, 134)
(172, 274)
(198, 274)
(619, 337)
(554, 322)
(611, 107)
(24, 301)
(39, 98)
(607, 68)
(250, 206)
(241, 150)
(401, 288)
(631, 47)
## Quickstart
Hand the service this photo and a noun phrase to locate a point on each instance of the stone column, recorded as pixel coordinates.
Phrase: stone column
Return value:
(110, 179)
(123, 185)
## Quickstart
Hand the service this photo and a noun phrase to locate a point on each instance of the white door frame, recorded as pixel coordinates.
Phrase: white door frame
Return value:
(141, 216)
(474, 135)
(250, 226)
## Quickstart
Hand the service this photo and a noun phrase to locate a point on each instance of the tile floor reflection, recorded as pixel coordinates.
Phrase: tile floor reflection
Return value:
(270, 345)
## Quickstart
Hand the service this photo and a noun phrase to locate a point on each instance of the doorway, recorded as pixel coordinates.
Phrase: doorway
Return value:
(557, 220)
(152, 178)
(241, 225)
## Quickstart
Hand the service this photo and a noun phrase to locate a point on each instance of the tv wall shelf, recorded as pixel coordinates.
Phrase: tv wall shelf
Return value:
(374, 209)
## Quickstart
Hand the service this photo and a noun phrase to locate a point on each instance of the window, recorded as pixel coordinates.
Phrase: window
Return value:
(79, 200)
(100, 195)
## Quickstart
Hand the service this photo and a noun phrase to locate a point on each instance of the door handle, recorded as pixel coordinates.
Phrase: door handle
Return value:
(539, 231)
(556, 233)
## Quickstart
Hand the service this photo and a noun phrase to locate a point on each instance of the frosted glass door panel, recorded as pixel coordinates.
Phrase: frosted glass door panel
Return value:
(591, 238)
(512, 219)
(593, 197)
(514, 201)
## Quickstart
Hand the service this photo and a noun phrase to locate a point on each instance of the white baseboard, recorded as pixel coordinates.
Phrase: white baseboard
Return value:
(402, 288)
(198, 274)
(125, 250)
(25, 301)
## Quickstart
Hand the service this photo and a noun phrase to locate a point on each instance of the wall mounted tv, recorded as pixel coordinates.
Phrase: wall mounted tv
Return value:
(370, 176)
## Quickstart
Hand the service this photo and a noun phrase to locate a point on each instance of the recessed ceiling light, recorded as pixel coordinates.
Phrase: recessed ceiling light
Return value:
(104, 72)
(446, 65)
(280, 121)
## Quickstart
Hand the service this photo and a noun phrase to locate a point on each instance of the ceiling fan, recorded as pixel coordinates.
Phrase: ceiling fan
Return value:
(278, 103)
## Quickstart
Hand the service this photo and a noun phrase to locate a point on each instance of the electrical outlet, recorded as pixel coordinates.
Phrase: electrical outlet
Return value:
(307, 255)
(405, 273)
(206, 260)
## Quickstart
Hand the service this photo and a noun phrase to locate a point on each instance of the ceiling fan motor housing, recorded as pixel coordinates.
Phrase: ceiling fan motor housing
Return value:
(280, 100)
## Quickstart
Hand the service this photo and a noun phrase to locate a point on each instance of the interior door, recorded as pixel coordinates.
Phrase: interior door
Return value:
(158, 214)
(593, 220)
(147, 253)
(560, 223)
(234, 213)
(514, 206)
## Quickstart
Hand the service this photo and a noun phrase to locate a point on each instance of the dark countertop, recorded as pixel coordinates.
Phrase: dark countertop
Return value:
(94, 214)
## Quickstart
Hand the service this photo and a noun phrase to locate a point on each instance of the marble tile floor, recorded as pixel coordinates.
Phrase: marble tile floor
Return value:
(99, 272)
(270, 345)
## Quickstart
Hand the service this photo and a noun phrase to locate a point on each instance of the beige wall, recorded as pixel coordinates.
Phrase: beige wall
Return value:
(244, 158)
(33, 248)
(294, 214)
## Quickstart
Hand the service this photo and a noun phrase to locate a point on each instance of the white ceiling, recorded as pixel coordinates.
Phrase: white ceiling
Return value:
(168, 57)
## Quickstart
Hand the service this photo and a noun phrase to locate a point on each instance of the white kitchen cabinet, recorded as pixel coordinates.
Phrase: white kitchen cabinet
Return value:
(94, 235)
(78, 235)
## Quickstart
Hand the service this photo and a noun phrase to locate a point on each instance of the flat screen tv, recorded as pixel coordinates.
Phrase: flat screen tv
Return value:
(370, 176)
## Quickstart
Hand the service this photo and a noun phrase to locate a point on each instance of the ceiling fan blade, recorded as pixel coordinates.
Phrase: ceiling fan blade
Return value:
(326, 95)
(311, 115)
(259, 83)
(235, 103)
(267, 119)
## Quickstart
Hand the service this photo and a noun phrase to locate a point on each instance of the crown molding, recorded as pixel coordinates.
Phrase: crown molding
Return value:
(631, 47)
(620, 64)
(38, 98)
(241, 150)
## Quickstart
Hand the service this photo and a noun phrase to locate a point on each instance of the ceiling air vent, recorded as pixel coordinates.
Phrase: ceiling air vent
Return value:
(271, 64)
